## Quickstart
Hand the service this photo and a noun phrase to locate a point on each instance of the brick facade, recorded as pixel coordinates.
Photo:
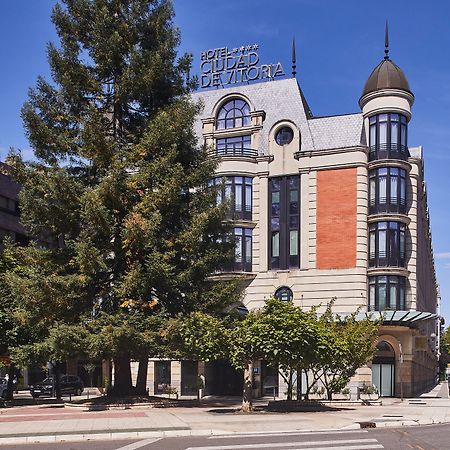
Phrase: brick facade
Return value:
(336, 219)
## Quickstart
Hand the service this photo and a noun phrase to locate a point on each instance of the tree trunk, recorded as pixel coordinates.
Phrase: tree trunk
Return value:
(122, 375)
(308, 387)
(289, 392)
(57, 378)
(247, 405)
(141, 383)
(299, 382)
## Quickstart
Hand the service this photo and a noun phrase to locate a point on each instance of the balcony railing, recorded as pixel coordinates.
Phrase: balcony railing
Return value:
(234, 151)
(406, 306)
(388, 151)
(384, 207)
(382, 260)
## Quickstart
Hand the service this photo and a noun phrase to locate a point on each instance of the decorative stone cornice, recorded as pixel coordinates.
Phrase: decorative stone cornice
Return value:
(389, 217)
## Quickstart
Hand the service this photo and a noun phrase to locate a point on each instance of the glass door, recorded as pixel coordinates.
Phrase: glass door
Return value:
(383, 379)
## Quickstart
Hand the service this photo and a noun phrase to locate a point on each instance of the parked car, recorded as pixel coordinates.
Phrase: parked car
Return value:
(70, 384)
(3, 387)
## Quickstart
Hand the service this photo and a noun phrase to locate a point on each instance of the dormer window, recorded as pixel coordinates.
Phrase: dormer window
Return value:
(233, 114)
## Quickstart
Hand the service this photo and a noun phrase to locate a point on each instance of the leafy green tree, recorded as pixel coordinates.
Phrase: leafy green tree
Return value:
(289, 338)
(207, 338)
(119, 181)
(445, 340)
(348, 343)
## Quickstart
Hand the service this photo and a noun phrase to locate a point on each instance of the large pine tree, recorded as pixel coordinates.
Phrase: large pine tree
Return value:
(120, 181)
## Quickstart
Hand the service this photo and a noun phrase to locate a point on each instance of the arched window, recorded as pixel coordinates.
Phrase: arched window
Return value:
(284, 294)
(233, 114)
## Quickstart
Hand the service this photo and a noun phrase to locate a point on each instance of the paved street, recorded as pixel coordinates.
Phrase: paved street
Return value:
(218, 421)
(421, 438)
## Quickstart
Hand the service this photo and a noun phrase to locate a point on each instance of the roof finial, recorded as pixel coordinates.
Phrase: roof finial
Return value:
(294, 61)
(386, 42)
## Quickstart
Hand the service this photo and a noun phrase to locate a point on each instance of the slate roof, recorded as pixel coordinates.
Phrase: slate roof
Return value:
(283, 100)
(337, 131)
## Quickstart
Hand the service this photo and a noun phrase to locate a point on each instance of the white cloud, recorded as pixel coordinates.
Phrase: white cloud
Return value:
(442, 255)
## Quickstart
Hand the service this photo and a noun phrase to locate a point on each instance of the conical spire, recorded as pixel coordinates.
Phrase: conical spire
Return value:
(294, 60)
(386, 42)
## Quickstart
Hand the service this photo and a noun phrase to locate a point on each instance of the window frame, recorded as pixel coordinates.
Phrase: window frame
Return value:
(228, 192)
(235, 146)
(392, 148)
(376, 203)
(235, 115)
(387, 244)
(284, 220)
(279, 132)
(284, 290)
(387, 282)
(243, 237)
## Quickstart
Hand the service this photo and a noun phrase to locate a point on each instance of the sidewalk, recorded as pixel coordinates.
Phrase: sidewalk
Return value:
(52, 424)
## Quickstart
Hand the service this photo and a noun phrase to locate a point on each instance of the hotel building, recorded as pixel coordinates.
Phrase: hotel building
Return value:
(325, 207)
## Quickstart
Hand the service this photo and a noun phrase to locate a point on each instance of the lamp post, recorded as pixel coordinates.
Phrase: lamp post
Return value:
(400, 370)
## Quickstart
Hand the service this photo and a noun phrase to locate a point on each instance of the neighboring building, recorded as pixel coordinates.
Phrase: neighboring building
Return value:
(326, 207)
(9, 209)
(9, 227)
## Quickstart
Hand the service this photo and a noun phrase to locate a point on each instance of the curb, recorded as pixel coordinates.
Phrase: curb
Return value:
(118, 435)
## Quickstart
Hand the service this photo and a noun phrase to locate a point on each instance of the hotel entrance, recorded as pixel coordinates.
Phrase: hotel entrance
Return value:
(383, 370)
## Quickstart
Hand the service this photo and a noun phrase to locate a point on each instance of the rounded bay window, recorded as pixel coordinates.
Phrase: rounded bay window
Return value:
(387, 190)
(387, 244)
(388, 136)
(387, 293)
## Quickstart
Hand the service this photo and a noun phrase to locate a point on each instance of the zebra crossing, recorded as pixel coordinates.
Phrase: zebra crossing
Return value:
(339, 440)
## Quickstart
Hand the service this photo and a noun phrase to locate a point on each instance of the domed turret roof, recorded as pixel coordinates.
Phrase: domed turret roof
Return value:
(387, 75)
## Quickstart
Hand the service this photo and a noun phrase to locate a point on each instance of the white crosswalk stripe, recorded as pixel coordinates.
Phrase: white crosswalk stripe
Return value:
(346, 447)
(139, 444)
(281, 434)
(344, 444)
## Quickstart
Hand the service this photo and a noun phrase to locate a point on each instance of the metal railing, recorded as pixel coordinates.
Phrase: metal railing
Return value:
(388, 151)
(234, 151)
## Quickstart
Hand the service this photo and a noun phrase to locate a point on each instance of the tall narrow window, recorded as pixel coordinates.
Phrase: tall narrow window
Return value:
(382, 130)
(237, 191)
(284, 200)
(394, 186)
(382, 177)
(243, 249)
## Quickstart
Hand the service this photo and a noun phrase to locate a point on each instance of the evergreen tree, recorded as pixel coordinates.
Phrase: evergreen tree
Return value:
(120, 181)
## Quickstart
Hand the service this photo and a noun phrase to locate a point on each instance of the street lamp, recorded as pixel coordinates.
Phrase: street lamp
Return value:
(400, 369)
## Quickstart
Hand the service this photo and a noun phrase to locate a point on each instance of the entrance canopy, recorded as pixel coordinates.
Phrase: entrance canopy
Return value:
(402, 318)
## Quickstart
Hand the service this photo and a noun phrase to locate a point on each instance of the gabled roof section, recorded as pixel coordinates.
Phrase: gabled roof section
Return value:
(280, 99)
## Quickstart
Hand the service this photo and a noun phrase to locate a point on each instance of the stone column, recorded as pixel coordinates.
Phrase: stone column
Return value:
(175, 376)
(151, 378)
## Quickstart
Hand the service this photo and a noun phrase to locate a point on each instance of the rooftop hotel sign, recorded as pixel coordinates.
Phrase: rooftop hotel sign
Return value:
(222, 66)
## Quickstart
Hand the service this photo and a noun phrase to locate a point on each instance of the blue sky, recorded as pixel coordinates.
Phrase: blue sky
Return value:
(339, 42)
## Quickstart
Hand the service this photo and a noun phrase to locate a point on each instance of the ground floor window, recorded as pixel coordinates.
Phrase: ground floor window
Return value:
(162, 376)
